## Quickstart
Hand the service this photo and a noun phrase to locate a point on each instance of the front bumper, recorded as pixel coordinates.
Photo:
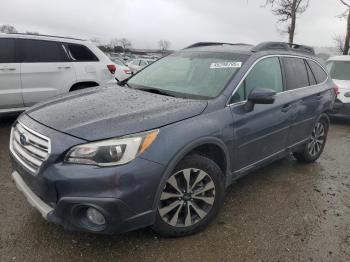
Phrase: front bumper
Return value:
(124, 194)
(125, 209)
(32, 198)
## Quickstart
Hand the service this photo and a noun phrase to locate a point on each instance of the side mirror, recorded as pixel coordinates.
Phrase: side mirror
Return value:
(263, 96)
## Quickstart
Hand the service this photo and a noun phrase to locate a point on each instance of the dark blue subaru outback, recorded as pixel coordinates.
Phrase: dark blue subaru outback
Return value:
(161, 148)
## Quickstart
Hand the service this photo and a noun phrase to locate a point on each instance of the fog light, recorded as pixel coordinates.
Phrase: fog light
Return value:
(95, 216)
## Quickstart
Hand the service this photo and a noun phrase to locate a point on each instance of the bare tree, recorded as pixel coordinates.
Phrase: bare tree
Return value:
(287, 11)
(339, 41)
(125, 43)
(8, 29)
(346, 46)
(114, 43)
(164, 45)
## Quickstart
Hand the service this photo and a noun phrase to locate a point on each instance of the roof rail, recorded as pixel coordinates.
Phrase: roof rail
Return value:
(284, 46)
(72, 38)
(199, 44)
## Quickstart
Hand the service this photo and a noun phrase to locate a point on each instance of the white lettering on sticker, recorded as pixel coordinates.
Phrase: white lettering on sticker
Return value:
(226, 65)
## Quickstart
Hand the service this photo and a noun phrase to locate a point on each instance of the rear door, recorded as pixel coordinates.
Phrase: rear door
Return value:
(10, 81)
(45, 70)
(263, 132)
(86, 63)
(303, 86)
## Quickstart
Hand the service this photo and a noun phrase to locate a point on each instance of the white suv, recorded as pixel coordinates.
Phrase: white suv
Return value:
(35, 67)
(339, 69)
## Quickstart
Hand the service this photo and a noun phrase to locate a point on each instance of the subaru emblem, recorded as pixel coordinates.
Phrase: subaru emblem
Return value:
(23, 139)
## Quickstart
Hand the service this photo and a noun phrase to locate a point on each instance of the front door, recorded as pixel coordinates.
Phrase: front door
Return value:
(263, 132)
(10, 78)
(45, 71)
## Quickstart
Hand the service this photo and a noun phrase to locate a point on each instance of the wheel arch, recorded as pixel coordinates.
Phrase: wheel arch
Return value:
(197, 146)
(82, 85)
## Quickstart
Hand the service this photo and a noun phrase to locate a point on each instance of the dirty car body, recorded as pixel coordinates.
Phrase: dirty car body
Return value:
(237, 131)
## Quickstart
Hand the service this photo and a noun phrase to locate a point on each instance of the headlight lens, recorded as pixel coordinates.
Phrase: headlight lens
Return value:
(112, 152)
(347, 94)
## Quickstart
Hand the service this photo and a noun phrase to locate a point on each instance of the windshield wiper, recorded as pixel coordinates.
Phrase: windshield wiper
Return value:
(123, 82)
(156, 91)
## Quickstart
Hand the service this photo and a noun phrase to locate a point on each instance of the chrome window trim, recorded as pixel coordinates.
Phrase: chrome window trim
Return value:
(280, 93)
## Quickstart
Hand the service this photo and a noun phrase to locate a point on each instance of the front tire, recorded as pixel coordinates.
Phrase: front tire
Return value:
(315, 145)
(191, 198)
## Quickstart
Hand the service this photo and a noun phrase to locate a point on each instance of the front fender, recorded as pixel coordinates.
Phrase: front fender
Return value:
(175, 141)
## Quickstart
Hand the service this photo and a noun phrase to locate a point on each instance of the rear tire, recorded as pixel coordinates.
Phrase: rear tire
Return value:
(315, 145)
(191, 198)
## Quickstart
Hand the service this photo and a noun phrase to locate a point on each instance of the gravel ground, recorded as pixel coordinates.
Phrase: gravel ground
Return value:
(284, 212)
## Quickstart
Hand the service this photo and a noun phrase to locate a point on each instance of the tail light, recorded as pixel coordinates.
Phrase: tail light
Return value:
(112, 68)
(336, 90)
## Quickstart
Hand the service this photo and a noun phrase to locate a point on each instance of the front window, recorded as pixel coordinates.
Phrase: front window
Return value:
(188, 74)
(339, 70)
(265, 74)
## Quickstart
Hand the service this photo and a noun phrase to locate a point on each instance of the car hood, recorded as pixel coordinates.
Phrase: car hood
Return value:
(343, 84)
(105, 112)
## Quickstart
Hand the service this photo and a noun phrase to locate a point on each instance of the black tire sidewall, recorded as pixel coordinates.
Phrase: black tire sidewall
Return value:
(213, 170)
(305, 156)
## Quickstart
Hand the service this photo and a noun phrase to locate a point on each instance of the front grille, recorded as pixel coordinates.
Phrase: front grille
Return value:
(29, 148)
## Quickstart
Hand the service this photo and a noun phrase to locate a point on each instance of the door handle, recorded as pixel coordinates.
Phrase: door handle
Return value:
(7, 69)
(286, 108)
(64, 67)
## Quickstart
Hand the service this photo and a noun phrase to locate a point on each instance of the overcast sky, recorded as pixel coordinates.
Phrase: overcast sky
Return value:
(182, 22)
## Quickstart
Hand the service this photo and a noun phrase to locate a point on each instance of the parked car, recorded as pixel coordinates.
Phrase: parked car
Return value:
(34, 68)
(139, 63)
(161, 149)
(122, 72)
(339, 68)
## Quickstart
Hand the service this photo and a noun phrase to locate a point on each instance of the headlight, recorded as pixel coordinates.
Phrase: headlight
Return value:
(111, 152)
(347, 94)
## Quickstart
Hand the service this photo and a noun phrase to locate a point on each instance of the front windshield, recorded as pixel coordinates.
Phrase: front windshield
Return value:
(190, 74)
(339, 70)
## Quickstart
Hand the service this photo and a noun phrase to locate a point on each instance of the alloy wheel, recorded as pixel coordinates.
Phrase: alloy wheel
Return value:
(187, 198)
(317, 139)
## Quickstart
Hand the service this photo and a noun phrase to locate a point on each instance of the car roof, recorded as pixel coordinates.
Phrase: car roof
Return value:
(224, 47)
(265, 48)
(43, 37)
(340, 58)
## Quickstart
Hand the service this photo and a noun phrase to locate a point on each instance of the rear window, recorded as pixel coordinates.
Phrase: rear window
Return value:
(311, 75)
(296, 73)
(81, 53)
(36, 51)
(339, 70)
(7, 50)
(318, 71)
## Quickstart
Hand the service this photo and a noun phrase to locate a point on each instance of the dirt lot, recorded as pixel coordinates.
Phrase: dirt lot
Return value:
(285, 212)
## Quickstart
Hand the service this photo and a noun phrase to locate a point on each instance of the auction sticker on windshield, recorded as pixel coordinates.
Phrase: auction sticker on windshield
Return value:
(226, 65)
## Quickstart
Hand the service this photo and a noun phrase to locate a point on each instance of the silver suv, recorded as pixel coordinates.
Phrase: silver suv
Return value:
(35, 67)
